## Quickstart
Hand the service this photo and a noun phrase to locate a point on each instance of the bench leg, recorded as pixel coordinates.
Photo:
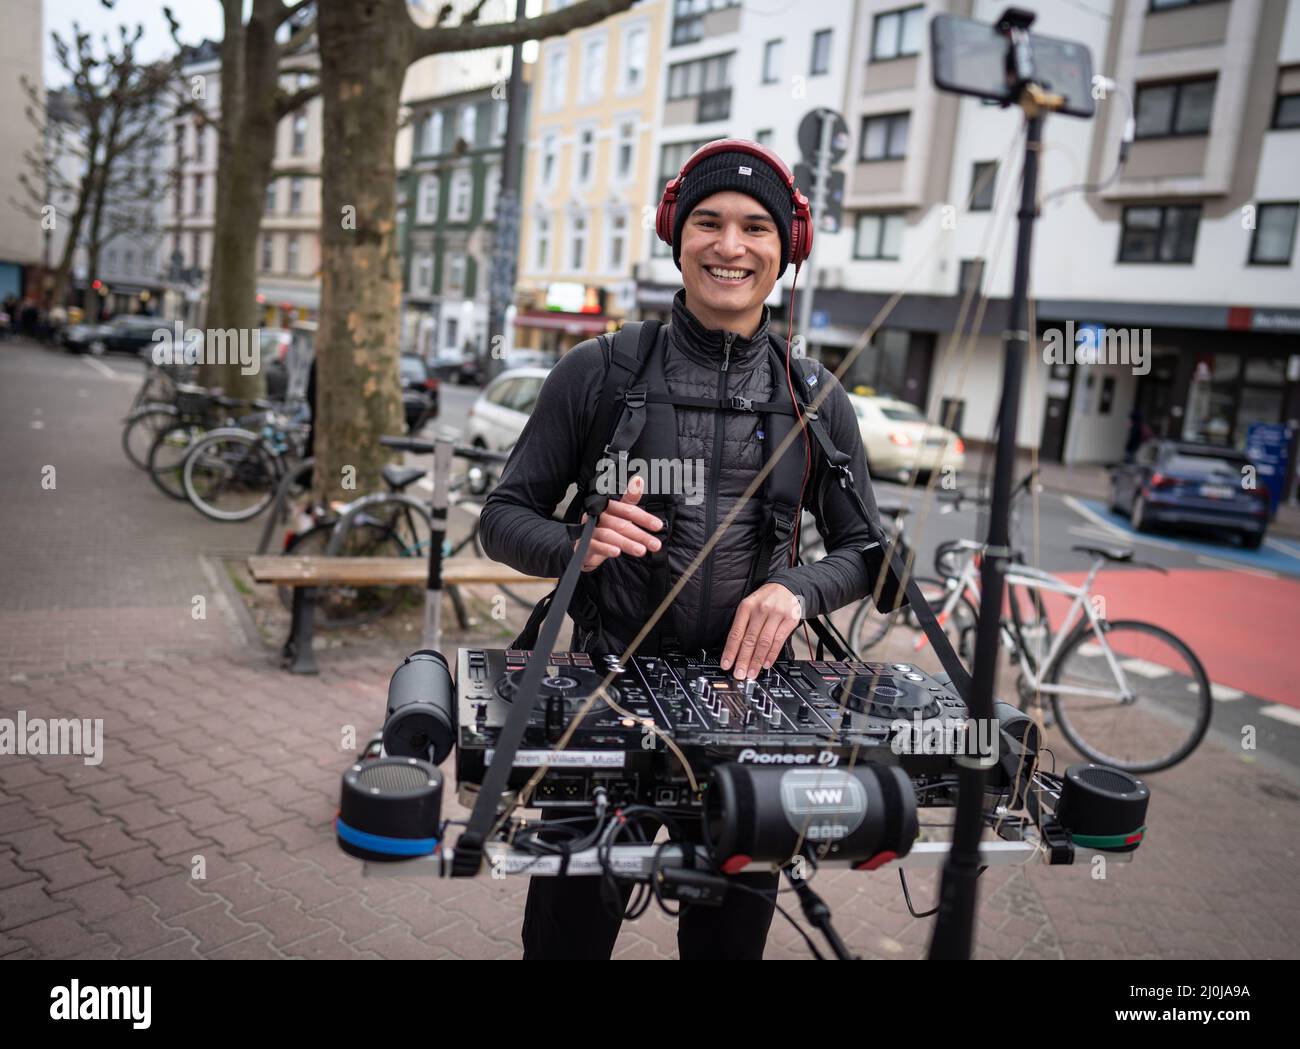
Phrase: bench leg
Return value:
(297, 651)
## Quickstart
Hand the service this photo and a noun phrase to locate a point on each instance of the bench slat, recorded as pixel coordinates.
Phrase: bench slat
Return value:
(382, 571)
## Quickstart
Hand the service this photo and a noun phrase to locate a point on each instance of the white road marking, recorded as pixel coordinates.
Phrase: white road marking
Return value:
(1221, 693)
(1112, 531)
(37, 424)
(1145, 668)
(1282, 713)
(100, 367)
(1214, 562)
(1091, 648)
(1285, 548)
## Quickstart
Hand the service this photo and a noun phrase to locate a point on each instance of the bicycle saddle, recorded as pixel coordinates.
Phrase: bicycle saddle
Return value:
(398, 477)
(1110, 553)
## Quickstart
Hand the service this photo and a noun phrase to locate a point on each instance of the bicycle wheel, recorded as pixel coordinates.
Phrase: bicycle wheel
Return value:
(142, 426)
(343, 607)
(949, 559)
(167, 455)
(230, 476)
(870, 627)
(1160, 725)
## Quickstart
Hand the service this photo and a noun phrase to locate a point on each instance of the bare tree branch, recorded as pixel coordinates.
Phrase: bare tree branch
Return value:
(292, 10)
(441, 39)
(287, 103)
(298, 39)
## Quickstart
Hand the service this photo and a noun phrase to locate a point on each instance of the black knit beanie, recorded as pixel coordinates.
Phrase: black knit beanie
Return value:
(743, 173)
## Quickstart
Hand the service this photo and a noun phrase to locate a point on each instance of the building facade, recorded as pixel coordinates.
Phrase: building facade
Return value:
(588, 192)
(21, 239)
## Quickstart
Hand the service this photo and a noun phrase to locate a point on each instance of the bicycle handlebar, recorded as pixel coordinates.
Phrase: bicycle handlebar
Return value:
(463, 451)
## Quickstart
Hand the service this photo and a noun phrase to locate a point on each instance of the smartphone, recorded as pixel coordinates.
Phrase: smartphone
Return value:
(970, 58)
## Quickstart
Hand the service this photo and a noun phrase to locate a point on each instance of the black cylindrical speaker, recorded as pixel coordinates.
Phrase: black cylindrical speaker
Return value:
(865, 813)
(1103, 808)
(390, 809)
(420, 721)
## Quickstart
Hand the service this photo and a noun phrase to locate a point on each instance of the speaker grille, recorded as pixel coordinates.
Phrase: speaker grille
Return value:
(393, 778)
(1111, 780)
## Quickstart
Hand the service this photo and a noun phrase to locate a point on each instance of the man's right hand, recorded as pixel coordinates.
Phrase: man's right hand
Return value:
(623, 528)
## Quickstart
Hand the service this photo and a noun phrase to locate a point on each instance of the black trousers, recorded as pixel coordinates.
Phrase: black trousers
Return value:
(566, 920)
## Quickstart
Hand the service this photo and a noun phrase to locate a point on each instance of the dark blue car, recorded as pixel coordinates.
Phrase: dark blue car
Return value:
(1198, 485)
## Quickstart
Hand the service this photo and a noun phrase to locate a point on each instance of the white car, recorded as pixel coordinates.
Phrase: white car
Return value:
(900, 442)
(497, 417)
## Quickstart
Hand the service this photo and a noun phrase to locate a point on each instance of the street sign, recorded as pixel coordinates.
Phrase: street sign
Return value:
(820, 318)
(810, 135)
(805, 177)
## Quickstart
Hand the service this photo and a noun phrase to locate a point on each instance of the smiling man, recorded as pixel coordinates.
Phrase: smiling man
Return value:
(735, 221)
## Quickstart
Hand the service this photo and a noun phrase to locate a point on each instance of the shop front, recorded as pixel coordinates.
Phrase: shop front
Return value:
(556, 319)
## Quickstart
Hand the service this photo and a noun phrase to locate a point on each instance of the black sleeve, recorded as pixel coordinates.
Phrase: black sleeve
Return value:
(843, 576)
(518, 526)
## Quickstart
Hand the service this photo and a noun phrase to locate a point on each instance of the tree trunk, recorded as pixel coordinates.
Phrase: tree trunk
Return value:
(364, 54)
(246, 149)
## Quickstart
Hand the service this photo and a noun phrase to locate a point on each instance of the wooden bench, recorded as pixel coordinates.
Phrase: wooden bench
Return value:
(306, 574)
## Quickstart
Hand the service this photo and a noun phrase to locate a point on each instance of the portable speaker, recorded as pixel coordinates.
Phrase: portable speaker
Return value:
(390, 809)
(1103, 808)
(420, 718)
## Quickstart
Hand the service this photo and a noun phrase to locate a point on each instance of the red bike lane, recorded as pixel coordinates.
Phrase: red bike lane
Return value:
(1244, 629)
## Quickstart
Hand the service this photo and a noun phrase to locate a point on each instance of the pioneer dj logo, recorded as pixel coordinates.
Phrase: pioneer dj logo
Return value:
(824, 758)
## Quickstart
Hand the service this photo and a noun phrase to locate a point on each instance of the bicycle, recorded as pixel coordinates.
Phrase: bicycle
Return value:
(1088, 668)
(231, 473)
(197, 411)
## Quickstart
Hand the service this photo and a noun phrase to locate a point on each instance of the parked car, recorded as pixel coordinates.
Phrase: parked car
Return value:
(419, 392)
(132, 334)
(446, 364)
(1177, 483)
(77, 338)
(274, 348)
(497, 416)
(899, 441)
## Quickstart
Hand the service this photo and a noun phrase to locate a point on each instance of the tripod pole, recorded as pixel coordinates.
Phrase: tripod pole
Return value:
(955, 924)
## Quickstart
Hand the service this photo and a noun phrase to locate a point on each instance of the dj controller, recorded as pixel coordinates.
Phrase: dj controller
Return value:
(800, 713)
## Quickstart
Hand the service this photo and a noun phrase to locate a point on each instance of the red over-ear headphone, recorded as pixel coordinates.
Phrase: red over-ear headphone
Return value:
(801, 227)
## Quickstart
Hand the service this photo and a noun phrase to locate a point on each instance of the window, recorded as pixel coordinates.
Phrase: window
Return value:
(671, 159)
(295, 195)
(455, 272)
(196, 250)
(885, 137)
(593, 69)
(1275, 226)
(1166, 5)
(462, 191)
(469, 123)
(763, 137)
(983, 183)
(690, 79)
(150, 261)
(897, 33)
(625, 151)
(110, 261)
(578, 243)
(433, 133)
(1159, 234)
(180, 144)
(453, 331)
(542, 242)
(291, 264)
(635, 43)
(1183, 108)
(616, 241)
(200, 142)
(878, 236)
(550, 160)
(422, 274)
(502, 111)
(199, 186)
(688, 18)
(1286, 113)
(821, 53)
(557, 75)
(491, 192)
(772, 61)
(971, 275)
(270, 197)
(268, 257)
(299, 143)
(426, 199)
(586, 155)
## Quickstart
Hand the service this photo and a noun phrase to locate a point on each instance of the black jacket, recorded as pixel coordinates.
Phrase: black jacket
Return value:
(518, 528)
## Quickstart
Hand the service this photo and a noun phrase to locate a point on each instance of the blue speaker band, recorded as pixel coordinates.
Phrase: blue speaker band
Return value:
(380, 843)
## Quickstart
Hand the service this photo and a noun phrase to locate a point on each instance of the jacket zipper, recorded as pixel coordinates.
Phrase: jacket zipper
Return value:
(711, 511)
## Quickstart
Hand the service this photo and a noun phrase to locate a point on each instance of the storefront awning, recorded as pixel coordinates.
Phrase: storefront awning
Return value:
(572, 323)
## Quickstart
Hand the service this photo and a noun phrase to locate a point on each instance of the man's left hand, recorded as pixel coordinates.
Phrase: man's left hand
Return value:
(763, 622)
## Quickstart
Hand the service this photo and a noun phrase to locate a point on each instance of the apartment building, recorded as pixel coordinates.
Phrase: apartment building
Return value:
(21, 245)
(1190, 249)
(589, 192)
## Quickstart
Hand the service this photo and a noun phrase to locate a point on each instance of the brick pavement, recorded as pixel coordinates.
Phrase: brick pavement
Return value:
(206, 831)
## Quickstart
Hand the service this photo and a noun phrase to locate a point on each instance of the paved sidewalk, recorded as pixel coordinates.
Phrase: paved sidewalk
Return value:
(207, 829)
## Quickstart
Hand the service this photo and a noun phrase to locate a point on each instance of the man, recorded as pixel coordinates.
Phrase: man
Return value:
(733, 231)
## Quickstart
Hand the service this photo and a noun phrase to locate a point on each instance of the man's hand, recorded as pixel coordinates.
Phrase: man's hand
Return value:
(763, 622)
(623, 528)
